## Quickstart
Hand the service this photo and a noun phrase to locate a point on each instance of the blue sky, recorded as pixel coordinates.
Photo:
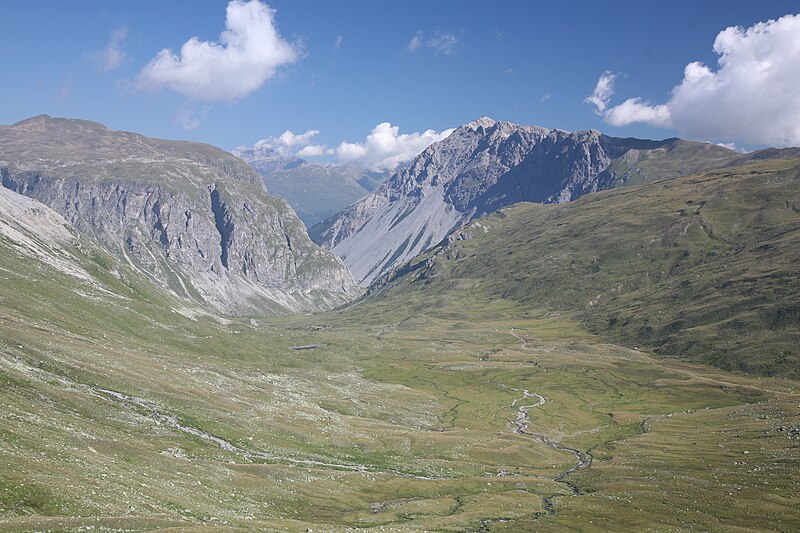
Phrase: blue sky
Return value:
(526, 62)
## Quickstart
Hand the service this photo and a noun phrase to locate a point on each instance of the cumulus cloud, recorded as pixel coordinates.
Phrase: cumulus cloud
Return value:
(287, 143)
(635, 110)
(440, 43)
(385, 148)
(603, 92)
(112, 56)
(314, 150)
(751, 97)
(248, 53)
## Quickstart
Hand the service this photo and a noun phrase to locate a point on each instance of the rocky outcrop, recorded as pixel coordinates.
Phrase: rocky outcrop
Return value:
(483, 166)
(193, 218)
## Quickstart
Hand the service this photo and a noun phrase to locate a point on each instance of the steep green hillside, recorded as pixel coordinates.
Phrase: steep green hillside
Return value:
(705, 267)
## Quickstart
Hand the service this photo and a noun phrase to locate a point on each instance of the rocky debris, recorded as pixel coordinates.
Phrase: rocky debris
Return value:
(790, 432)
(39, 232)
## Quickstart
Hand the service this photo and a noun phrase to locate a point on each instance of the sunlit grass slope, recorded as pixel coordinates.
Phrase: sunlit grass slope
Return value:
(706, 267)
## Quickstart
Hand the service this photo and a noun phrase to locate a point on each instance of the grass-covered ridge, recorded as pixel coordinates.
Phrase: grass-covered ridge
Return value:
(704, 266)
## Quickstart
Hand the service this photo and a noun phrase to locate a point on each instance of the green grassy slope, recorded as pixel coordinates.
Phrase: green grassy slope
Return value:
(705, 266)
(402, 418)
(645, 161)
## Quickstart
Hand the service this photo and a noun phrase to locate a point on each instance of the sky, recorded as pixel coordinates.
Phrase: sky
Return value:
(371, 82)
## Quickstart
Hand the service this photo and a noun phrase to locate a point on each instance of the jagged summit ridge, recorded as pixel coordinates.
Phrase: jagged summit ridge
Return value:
(482, 122)
(482, 166)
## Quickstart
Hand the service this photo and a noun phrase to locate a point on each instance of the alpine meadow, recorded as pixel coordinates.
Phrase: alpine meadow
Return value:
(454, 267)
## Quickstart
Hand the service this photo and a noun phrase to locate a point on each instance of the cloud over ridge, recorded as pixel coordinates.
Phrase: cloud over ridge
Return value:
(752, 96)
(384, 148)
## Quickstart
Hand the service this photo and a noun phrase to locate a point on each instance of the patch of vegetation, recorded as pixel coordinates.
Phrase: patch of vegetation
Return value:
(702, 267)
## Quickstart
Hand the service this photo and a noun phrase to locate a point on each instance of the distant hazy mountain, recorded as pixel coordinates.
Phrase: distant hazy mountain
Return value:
(315, 191)
(485, 165)
(193, 218)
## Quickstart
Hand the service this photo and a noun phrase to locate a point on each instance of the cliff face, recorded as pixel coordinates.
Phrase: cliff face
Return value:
(192, 217)
(483, 166)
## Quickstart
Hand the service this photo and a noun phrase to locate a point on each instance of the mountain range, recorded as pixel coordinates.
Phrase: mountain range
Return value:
(485, 165)
(193, 218)
(177, 354)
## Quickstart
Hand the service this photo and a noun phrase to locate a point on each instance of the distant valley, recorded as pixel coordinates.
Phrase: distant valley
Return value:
(315, 191)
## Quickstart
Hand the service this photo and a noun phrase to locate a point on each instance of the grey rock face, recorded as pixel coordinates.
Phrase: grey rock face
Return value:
(482, 166)
(195, 219)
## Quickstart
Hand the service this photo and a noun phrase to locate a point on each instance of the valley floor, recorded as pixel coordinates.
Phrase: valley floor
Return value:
(491, 418)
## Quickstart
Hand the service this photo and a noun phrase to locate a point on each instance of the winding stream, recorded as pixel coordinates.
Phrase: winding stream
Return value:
(520, 424)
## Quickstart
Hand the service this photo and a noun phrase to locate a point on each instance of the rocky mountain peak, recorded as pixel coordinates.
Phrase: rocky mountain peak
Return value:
(481, 167)
(482, 122)
(191, 217)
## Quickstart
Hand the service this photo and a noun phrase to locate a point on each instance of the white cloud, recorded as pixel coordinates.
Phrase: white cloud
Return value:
(752, 97)
(385, 148)
(339, 41)
(415, 43)
(246, 56)
(634, 110)
(350, 152)
(314, 150)
(287, 143)
(112, 56)
(288, 140)
(603, 92)
(545, 97)
(731, 146)
(440, 43)
(444, 43)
